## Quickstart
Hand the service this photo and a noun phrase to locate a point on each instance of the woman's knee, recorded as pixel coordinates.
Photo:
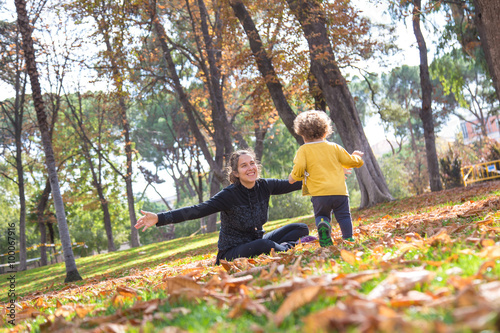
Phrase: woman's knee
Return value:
(302, 229)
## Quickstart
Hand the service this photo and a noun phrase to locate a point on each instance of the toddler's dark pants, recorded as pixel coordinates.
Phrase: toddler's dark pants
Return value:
(338, 204)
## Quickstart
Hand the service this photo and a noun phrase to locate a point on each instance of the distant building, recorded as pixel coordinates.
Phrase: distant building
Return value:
(472, 132)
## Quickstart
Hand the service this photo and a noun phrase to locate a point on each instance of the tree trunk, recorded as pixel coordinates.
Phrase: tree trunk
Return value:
(40, 210)
(266, 68)
(343, 111)
(43, 241)
(426, 111)
(22, 206)
(222, 141)
(17, 124)
(29, 53)
(488, 23)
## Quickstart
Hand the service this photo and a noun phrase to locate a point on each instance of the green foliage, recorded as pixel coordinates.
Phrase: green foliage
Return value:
(289, 205)
(279, 151)
(395, 175)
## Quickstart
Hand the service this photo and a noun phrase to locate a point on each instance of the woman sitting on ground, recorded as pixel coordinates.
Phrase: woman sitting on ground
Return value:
(244, 209)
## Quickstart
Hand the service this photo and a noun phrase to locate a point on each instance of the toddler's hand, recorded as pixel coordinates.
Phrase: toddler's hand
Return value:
(358, 153)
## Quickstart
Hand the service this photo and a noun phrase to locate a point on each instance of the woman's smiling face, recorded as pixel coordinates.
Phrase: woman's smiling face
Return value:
(248, 172)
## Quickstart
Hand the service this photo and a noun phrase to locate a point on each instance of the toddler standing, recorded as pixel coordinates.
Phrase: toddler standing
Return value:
(320, 164)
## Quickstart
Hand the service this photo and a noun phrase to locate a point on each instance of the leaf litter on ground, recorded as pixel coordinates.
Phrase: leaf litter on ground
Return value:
(415, 263)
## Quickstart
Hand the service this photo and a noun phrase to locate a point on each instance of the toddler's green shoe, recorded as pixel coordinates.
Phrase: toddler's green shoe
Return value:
(324, 233)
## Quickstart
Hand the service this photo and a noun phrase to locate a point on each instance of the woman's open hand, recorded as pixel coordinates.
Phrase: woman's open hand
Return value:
(147, 220)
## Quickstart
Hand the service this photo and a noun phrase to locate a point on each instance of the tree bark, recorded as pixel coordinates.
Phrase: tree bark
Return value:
(343, 111)
(222, 141)
(29, 53)
(488, 23)
(17, 124)
(426, 110)
(40, 209)
(266, 68)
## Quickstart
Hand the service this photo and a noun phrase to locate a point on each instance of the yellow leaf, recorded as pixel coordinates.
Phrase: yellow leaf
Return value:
(487, 242)
(348, 257)
(40, 303)
(83, 310)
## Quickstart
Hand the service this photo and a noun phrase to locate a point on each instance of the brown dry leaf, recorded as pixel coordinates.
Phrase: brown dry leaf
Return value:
(441, 238)
(104, 293)
(325, 320)
(64, 311)
(399, 282)
(126, 291)
(161, 286)
(27, 313)
(232, 285)
(58, 304)
(83, 310)
(459, 282)
(412, 298)
(468, 296)
(96, 321)
(363, 276)
(117, 300)
(487, 242)
(172, 314)
(247, 304)
(40, 303)
(349, 257)
(111, 328)
(193, 271)
(295, 300)
(146, 307)
(177, 283)
(484, 267)
(491, 252)
(476, 318)
(59, 325)
(434, 263)
(486, 221)
(491, 292)
(226, 265)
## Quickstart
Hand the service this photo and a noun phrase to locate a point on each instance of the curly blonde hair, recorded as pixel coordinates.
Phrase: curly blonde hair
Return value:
(233, 164)
(313, 125)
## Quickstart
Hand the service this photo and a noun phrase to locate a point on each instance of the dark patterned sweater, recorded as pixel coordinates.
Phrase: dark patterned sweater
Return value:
(243, 211)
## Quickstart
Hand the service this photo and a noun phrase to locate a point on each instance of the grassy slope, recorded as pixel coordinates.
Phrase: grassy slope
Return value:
(146, 270)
